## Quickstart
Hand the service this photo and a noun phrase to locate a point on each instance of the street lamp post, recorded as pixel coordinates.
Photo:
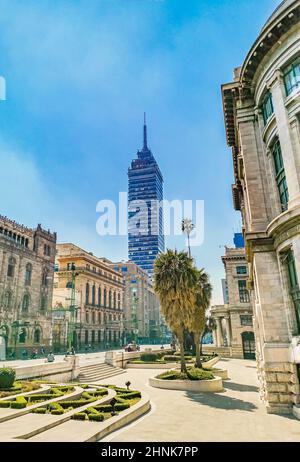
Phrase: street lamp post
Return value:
(187, 227)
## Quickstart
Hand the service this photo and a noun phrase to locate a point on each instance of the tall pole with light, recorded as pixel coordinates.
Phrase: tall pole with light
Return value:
(187, 227)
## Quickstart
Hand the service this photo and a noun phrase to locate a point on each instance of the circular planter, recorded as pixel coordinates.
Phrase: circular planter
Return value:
(223, 373)
(197, 386)
(167, 366)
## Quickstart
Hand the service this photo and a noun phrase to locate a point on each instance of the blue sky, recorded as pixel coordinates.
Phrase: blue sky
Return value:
(80, 75)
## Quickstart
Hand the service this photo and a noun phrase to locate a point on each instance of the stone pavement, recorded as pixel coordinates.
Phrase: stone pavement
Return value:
(233, 415)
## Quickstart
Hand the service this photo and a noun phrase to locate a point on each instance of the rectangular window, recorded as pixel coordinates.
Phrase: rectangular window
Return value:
(291, 76)
(241, 269)
(280, 176)
(267, 107)
(246, 320)
(243, 292)
(294, 285)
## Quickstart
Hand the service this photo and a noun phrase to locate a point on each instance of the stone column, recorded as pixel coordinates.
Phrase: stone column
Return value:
(228, 330)
(219, 332)
(276, 86)
(214, 334)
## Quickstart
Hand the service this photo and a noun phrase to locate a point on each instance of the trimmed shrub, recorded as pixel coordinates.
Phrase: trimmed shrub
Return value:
(19, 403)
(55, 407)
(55, 391)
(104, 408)
(7, 377)
(101, 392)
(172, 375)
(131, 395)
(96, 417)
(57, 411)
(199, 374)
(40, 410)
(149, 357)
(41, 397)
(79, 416)
(5, 403)
(122, 406)
(77, 403)
(92, 410)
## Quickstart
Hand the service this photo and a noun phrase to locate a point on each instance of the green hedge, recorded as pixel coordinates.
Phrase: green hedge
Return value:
(192, 374)
(131, 395)
(5, 403)
(40, 410)
(41, 397)
(96, 417)
(148, 357)
(7, 377)
(77, 403)
(79, 416)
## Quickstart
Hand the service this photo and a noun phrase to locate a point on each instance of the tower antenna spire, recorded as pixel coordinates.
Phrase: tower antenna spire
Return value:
(145, 132)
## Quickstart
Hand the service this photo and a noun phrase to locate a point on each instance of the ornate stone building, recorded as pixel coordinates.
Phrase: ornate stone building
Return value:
(98, 299)
(234, 335)
(26, 279)
(262, 119)
(141, 305)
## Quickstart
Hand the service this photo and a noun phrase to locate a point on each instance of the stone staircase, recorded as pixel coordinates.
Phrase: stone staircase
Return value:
(97, 372)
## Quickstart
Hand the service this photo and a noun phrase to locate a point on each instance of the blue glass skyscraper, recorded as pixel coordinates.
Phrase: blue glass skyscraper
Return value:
(145, 215)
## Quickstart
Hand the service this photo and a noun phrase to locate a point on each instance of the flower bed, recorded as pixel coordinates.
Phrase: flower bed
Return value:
(68, 405)
(22, 401)
(124, 399)
(196, 380)
(19, 387)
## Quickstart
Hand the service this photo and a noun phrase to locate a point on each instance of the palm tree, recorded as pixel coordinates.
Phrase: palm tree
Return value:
(175, 278)
(210, 326)
(203, 296)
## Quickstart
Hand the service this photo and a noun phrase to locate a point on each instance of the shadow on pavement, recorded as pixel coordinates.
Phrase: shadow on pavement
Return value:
(240, 387)
(221, 401)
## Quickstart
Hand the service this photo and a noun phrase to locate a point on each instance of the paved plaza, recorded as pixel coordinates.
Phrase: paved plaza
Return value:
(233, 415)
(236, 414)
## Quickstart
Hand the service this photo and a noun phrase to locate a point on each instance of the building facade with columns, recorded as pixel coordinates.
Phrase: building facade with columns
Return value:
(234, 335)
(98, 299)
(26, 279)
(262, 120)
(141, 305)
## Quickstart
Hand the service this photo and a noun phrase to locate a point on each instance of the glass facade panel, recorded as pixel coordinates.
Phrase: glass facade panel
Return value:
(280, 176)
(267, 107)
(292, 77)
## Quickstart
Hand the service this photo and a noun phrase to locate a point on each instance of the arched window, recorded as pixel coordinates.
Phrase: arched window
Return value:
(87, 293)
(11, 267)
(93, 295)
(28, 273)
(45, 278)
(109, 299)
(115, 300)
(25, 303)
(7, 300)
(43, 303)
(99, 296)
(37, 336)
(105, 292)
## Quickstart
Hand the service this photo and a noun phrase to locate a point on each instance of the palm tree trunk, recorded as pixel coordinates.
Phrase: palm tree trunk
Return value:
(201, 343)
(198, 339)
(182, 359)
